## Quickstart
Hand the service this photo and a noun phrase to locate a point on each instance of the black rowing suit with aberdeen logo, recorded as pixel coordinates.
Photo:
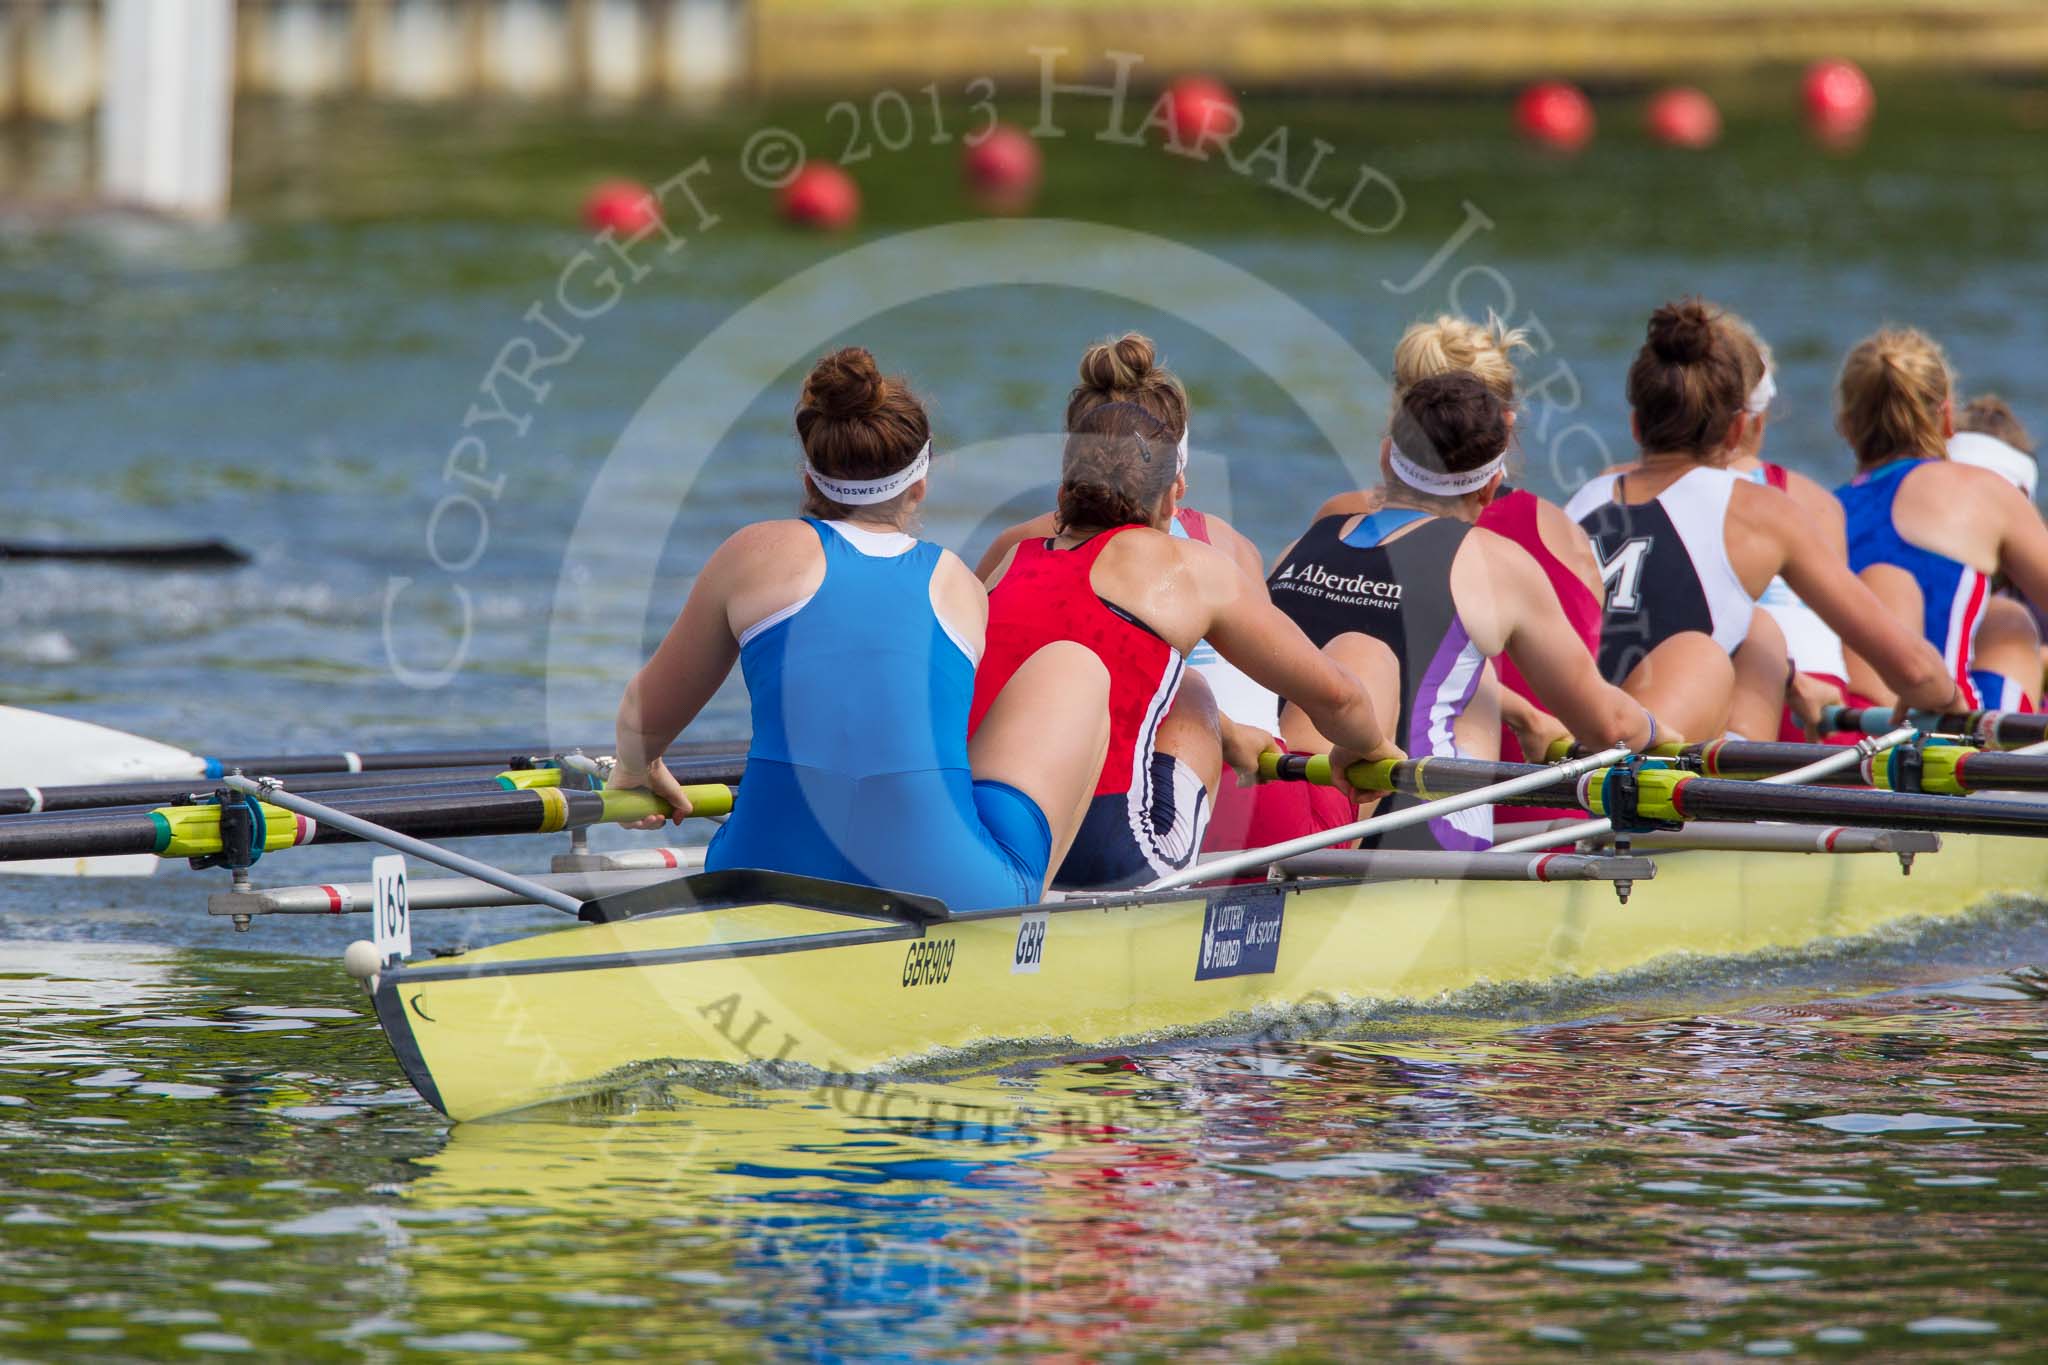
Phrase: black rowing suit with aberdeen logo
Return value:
(1398, 592)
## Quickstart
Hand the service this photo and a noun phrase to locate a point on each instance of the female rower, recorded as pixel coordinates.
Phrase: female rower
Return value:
(1819, 671)
(1128, 370)
(1687, 546)
(1112, 579)
(1927, 533)
(1445, 598)
(858, 644)
(1486, 351)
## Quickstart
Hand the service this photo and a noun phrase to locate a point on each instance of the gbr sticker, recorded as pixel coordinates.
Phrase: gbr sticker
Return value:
(1029, 953)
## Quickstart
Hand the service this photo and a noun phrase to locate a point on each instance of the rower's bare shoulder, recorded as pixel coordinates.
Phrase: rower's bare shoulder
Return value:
(1813, 497)
(956, 591)
(765, 540)
(1357, 502)
(1499, 553)
(1237, 545)
(1567, 541)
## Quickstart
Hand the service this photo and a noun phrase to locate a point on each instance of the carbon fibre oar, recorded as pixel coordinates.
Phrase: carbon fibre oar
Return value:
(1508, 783)
(195, 831)
(724, 766)
(1943, 769)
(1664, 796)
(1807, 763)
(497, 756)
(164, 554)
(1993, 729)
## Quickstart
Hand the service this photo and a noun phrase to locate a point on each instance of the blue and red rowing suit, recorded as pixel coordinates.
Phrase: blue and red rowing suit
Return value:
(1952, 594)
(858, 767)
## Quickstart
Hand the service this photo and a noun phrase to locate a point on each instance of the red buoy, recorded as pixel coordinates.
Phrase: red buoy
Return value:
(1556, 114)
(1201, 107)
(1839, 101)
(1003, 170)
(624, 206)
(1681, 116)
(821, 196)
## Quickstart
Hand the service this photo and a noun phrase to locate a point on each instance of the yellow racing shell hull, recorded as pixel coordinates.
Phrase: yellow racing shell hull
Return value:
(792, 992)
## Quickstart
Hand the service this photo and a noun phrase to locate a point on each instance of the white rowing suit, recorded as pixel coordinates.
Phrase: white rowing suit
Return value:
(1665, 565)
(1237, 696)
(1810, 642)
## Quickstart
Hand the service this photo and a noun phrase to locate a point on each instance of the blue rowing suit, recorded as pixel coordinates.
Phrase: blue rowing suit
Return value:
(1952, 594)
(858, 767)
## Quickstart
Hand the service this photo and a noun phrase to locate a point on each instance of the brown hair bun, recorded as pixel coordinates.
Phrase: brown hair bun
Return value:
(1686, 382)
(846, 384)
(1128, 370)
(856, 423)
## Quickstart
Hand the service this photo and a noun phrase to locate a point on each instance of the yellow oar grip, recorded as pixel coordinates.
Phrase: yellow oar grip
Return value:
(1314, 768)
(1656, 792)
(622, 807)
(526, 779)
(193, 831)
(1377, 776)
(1941, 769)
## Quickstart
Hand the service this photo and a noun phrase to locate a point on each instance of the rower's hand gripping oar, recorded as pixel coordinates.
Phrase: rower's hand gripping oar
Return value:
(1380, 777)
(1848, 757)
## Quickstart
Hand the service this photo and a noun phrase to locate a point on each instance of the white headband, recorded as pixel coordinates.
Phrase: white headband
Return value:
(1444, 484)
(1760, 397)
(863, 492)
(1181, 451)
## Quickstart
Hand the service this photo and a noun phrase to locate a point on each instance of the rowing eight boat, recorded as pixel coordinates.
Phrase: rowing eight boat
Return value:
(796, 981)
(791, 980)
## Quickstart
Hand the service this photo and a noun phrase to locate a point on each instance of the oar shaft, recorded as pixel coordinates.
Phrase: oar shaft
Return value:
(1943, 769)
(1519, 782)
(1826, 761)
(168, 554)
(502, 756)
(192, 831)
(1667, 794)
(1994, 729)
(406, 844)
(724, 768)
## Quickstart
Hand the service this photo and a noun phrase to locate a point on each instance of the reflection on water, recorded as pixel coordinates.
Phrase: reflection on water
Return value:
(212, 1153)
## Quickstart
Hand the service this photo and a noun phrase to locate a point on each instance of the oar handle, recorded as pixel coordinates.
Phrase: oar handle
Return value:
(624, 807)
(1366, 777)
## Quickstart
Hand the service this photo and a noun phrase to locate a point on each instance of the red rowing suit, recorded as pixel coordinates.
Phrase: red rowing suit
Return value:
(1149, 809)
(1513, 515)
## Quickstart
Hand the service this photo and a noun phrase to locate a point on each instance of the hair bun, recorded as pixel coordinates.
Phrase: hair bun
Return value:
(1682, 333)
(847, 384)
(1119, 366)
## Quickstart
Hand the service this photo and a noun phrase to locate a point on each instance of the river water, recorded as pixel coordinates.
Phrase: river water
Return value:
(204, 1146)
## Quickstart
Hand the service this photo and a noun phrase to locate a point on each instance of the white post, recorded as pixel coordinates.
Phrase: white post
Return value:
(168, 105)
(706, 47)
(615, 46)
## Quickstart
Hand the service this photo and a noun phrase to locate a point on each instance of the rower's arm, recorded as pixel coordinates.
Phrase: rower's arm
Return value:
(1909, 665)
(992, 558)
(2023, 549)
(1248, 630)
(688, 666)
(1823, 511)
(1238, 546)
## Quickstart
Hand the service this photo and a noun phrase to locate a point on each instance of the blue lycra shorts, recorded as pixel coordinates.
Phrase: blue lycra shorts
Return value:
(1020, 833)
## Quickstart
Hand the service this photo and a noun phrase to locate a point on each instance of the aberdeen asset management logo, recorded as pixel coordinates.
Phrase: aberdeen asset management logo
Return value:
(1313, 580)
